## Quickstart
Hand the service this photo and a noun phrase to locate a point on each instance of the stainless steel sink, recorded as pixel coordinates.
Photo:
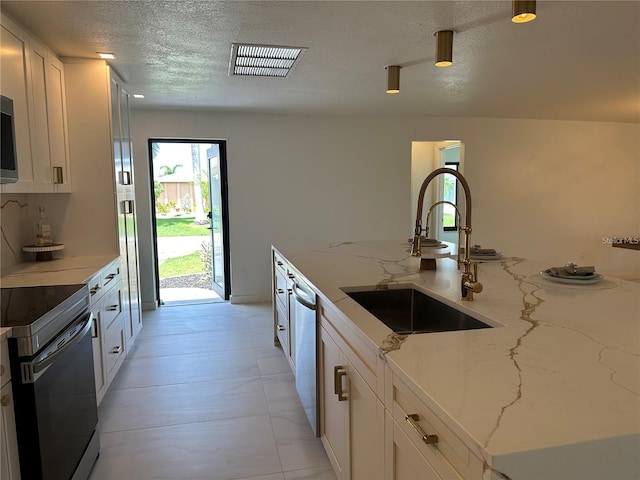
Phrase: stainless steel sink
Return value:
(407, 311)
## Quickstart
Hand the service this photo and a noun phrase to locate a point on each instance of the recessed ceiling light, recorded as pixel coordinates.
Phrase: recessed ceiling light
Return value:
(138, 95)
(263, 60)
(106, 55)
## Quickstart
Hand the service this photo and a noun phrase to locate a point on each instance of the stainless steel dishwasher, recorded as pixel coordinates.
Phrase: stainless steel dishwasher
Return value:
(306, 363)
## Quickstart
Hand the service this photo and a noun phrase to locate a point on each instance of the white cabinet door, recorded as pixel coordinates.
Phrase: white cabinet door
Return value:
(334, 412)
(57, 121)
(366, 429)
(33, 77)
(14, 84)
(9, 466)
(404, 461)
(352, 417)
(41, 159)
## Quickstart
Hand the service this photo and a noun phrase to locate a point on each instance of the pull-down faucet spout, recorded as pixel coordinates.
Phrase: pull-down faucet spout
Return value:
(469, 280)
(458, 216)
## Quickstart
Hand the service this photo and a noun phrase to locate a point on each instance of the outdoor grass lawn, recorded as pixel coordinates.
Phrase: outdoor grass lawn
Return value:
(180, 227)
(187, 265)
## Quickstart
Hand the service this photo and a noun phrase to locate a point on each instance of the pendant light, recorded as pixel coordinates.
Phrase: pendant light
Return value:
(523, 11)
(393, 78)
(444, 48)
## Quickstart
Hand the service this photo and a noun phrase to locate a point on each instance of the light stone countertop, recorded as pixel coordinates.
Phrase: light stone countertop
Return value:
(4, 333)
(62, 271)
(564, 369)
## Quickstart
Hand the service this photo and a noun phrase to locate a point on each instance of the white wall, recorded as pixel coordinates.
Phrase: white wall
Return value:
(545, 190)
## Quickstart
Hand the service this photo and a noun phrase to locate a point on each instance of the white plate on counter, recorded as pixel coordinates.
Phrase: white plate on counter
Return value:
(577, 280)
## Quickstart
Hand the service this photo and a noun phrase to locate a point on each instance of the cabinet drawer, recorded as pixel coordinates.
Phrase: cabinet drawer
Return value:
(279, 264)
(111, 305)
(281, 292)
(114, 347)
(408, 462)
(110, 275)
(450, 457)
(5, 371)
(95, 288)
(282, 328)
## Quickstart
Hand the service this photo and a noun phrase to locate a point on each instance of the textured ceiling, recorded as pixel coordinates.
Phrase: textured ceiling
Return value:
(579, 60)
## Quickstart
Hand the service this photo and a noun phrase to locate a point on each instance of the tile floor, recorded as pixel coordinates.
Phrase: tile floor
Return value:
(204, 394)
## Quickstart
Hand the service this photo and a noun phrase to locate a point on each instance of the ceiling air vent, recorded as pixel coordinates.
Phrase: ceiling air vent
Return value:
(263, 60)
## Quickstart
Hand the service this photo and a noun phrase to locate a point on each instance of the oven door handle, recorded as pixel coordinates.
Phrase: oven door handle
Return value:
(38, 367)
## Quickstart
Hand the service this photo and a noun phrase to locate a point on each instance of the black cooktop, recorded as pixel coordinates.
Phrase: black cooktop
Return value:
(22, 306)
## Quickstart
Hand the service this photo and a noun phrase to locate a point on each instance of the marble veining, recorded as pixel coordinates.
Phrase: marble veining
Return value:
(4, 236)
(529, 308)
(560, 370)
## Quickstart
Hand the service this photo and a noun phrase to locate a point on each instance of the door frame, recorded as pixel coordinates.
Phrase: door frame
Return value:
(224, 193)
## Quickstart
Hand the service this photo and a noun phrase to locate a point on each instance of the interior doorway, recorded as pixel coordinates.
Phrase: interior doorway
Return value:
(443, 224)
(190, 220)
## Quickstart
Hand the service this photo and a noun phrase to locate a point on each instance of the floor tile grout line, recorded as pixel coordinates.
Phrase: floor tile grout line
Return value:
(258, 328)
(256, 377)
(177, 424)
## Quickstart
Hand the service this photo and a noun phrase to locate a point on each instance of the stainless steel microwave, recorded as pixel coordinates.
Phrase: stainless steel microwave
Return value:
(8, 160)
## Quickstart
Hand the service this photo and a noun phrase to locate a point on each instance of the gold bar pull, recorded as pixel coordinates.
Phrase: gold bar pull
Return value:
(413, 419)
(57, 175)
(338, 373)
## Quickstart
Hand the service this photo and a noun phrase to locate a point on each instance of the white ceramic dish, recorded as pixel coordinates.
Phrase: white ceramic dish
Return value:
(584, 280)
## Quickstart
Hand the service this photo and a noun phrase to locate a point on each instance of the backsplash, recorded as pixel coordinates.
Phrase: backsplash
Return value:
(14, 217)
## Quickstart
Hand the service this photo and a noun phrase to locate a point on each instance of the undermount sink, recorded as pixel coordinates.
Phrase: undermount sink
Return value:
(407, 311)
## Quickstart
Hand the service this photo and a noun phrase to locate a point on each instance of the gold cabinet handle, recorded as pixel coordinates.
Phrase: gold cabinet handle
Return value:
(5, 400)
(95, 330)
(109, 277)
(338, 373)
(413, 421)
(57, 175)
(94, 290)
(112, 308)
(117, 349)
(281, 328)
(2, 368)
(279, 263)
(280, 290)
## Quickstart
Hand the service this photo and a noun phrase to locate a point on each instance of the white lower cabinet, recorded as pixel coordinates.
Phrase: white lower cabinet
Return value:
(9, 466)
(400, 439)
(114, 351)
(108, 326)
(373, 425)
(418, 440)
(404, 460)
(352, 416)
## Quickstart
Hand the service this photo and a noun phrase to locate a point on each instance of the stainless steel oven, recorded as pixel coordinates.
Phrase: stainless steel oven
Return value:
(51, 359)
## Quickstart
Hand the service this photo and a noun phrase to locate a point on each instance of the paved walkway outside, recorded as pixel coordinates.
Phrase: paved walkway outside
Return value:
(171, 247)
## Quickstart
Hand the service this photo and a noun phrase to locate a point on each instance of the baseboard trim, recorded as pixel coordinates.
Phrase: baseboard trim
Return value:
(237, 299)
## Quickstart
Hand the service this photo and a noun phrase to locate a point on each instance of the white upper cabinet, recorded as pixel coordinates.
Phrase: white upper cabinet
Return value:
(33, 77)
(14, 85)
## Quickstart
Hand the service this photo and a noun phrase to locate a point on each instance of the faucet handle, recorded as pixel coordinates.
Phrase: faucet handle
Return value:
(475, 271)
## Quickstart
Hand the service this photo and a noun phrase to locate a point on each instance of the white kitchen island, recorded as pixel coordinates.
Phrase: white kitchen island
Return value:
(551, 392)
